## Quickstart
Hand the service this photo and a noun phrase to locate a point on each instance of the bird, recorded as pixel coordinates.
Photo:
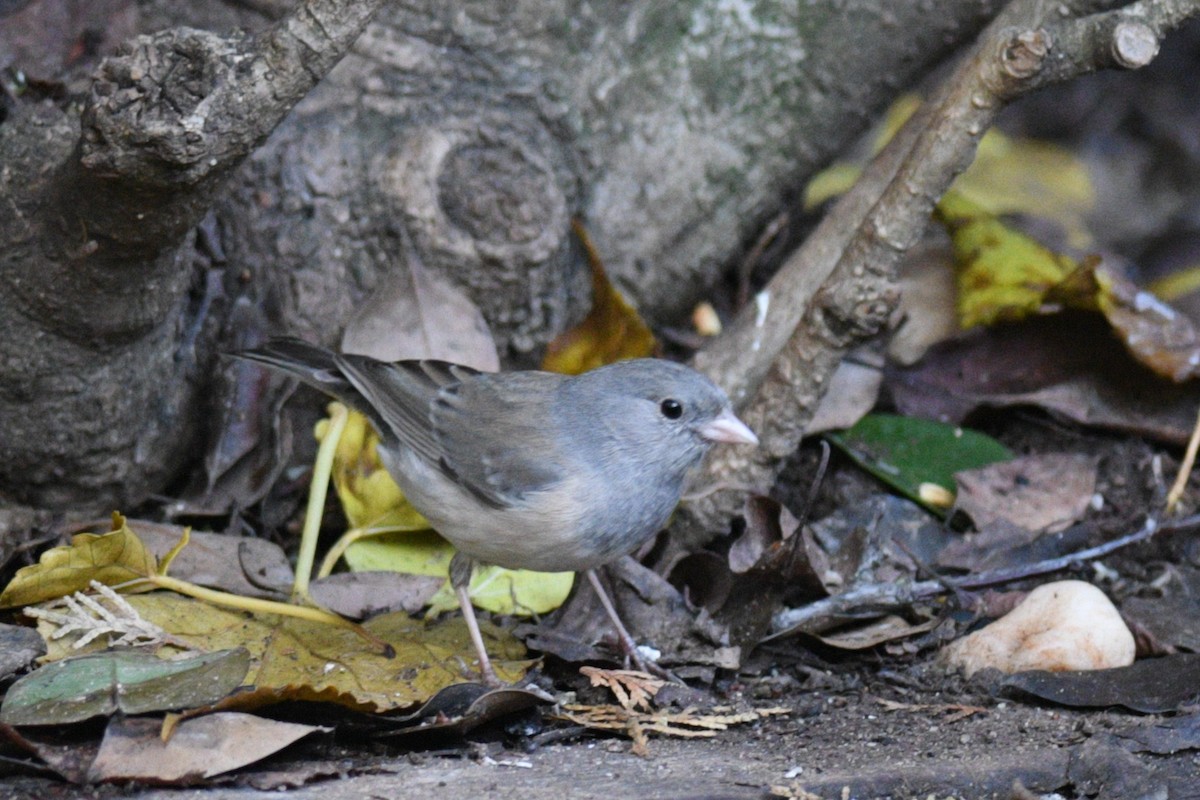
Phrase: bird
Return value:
(529, 469)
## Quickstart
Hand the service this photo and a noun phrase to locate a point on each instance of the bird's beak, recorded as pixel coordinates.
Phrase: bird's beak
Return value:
(728, 428)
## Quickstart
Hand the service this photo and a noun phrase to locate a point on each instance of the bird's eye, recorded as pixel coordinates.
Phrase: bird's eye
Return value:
(671, 409)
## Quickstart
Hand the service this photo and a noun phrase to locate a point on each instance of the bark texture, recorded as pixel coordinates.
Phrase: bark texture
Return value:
(675, 130)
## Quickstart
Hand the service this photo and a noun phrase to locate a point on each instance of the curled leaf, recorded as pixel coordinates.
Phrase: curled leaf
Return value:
(111, 558)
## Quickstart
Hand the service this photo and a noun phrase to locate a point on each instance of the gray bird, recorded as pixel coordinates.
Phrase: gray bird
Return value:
(529, 470)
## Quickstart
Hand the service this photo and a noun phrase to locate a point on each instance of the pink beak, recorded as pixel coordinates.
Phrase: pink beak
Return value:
(729, 429)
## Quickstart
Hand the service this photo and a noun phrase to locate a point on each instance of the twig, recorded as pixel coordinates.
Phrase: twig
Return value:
(1185, 469)
(872, 599)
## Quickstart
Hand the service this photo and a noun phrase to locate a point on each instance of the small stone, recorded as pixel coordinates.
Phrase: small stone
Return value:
(1065, 625)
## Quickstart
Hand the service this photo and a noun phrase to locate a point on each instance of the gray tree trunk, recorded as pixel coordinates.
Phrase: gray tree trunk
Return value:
(479, 128)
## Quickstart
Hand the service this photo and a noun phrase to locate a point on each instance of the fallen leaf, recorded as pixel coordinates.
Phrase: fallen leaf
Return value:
(927, 297)
(1151, 685)
(632, 689)
(884, 629)
(365, 594)
(1164, 737)
(852, 392)
(501, 591)
(1043, 492)
(612, 330)
(369, 496)
(242, 565)
(458, 709)
(1093, 381)
(129, 681)
(416, 314)
(296, 659)
(1173, 620)
(1004, 275)
(200, 747)
(112, 558)
(637, 725)
(906, 452)
(1008, 175)
(250, 440)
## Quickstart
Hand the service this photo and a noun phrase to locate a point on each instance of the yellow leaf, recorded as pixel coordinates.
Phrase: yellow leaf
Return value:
(1009, 175)
(293, 659)
(1176, 284)
(1005, 275)
(516, 592)
(501, 591)
(367, 492)
(612, 330)
(1001, 273)
(112, 558)
(1027, 176)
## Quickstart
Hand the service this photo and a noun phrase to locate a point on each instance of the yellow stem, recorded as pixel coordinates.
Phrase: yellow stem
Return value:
(257, 605)
(317, 492)
(350, 537)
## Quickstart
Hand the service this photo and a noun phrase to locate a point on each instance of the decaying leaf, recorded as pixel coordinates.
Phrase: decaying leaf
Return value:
(1043, 492)
(19, 646)
(1093, 381)
(1008, 175)
(612, 330)
(129, 681)
(876, 632)
(632, 689)
(295, 659)
(112, 558)
(108, 615)
(414, 314)
(369, 496)
(1004, 275)
(243, 565)
(1150, 685)
(201, 747)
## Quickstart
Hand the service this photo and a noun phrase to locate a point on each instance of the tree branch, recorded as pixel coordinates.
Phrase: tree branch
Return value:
(839, 288)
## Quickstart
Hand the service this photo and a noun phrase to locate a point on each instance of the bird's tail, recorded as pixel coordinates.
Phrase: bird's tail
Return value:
(313, 365)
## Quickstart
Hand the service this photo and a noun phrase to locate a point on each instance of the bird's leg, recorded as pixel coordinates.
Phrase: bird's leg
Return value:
(628, 645)
(460, 578)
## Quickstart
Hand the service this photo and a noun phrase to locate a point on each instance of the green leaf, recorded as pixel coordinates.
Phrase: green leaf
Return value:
(908, 453)
(130, 681)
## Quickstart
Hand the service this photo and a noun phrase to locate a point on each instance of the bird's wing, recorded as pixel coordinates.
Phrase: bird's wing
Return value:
(401, 395)
(497, 434)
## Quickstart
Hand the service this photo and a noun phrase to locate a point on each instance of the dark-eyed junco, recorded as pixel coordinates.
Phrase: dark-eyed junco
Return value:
(529, 470)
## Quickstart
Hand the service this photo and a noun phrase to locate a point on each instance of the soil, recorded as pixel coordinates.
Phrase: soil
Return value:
(837, 743)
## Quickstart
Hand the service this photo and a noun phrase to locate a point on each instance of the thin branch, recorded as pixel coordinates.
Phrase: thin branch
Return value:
(872, 599)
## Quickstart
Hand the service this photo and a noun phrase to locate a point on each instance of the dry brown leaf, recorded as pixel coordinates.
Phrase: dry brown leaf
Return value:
(1044, 492)
(632, 689)
(133, 748)
(414, 314)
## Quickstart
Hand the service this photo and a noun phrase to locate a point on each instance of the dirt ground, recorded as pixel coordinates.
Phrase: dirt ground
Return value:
(838, 742)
